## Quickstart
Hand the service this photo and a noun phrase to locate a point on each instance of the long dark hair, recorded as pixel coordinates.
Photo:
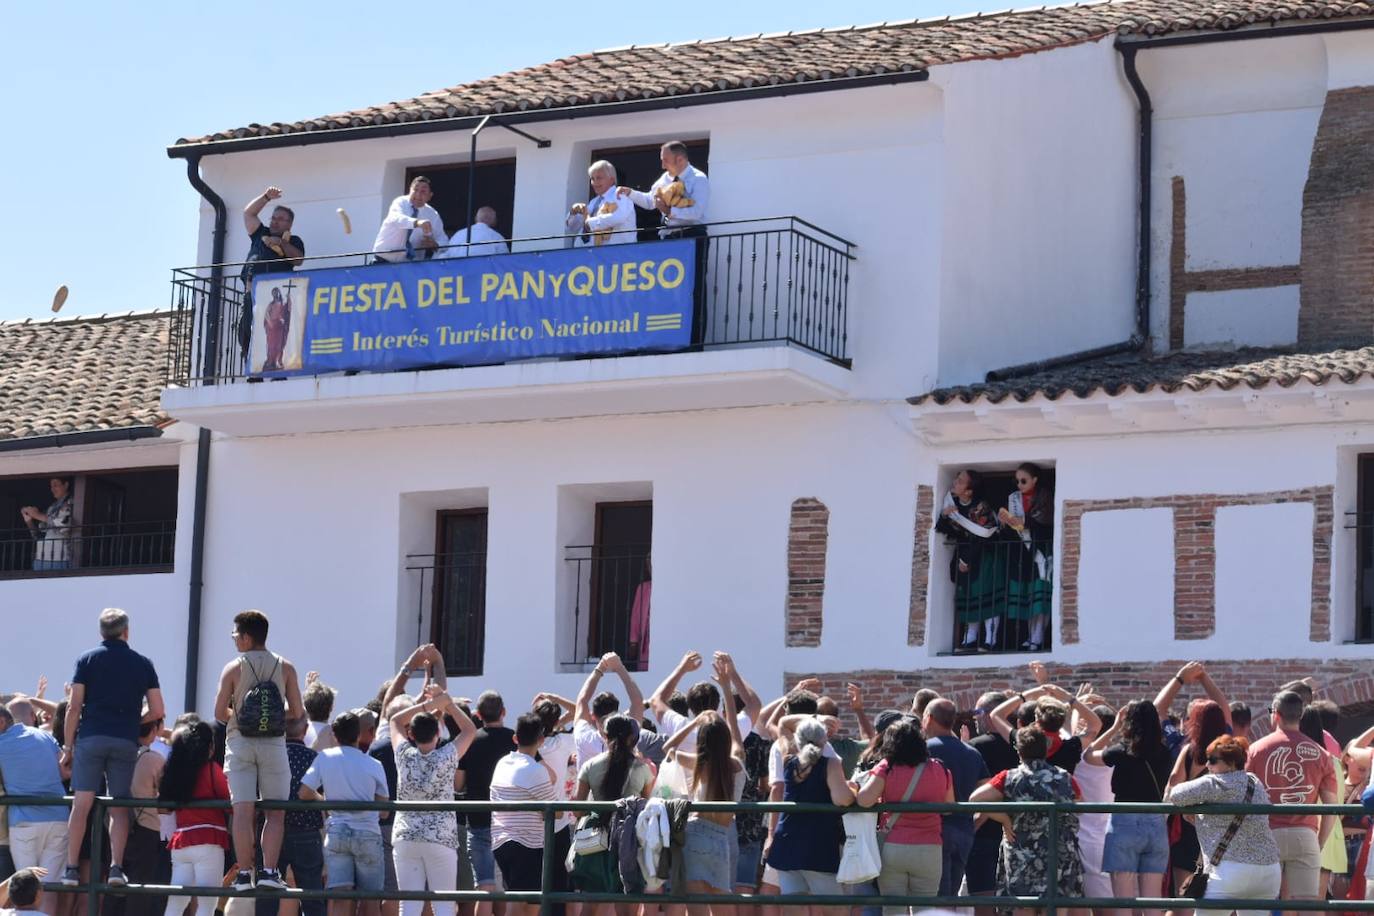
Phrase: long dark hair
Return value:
(622, 733)
(192, 745)
(713, 774)
(1142, 734)
(1206, 723)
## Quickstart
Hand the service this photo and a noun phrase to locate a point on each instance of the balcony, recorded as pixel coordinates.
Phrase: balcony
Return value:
(763, 320)
(111, 548)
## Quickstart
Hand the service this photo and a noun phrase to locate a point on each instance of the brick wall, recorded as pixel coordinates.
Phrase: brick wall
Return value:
(1337, 299)
(1195, 556)
(807, 536)
(920, 566)
(1348, 682)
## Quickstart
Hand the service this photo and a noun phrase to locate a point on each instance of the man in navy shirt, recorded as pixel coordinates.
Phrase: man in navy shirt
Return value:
(271, 249)
(969, 771)
(101, 741)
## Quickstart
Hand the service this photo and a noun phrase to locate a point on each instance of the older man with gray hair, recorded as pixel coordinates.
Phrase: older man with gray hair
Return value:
(101, 741)
(28, 765)
(602, 220)
(479, 239)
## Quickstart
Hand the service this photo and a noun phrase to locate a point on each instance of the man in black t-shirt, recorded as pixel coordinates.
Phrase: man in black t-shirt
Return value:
(493, 742)
(272, 249)
(981, 869)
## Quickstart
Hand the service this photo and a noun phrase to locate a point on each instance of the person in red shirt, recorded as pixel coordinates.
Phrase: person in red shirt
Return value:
(1296, 771)
(201, 835)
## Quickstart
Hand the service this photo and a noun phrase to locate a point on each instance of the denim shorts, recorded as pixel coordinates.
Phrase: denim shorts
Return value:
(353, 858)
(1136, 843)
(710, 854)
(479, 851)
(747, 869)
(100, 760)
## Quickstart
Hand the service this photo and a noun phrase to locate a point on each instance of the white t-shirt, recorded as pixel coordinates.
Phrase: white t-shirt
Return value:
(672, 722)
(587, 741)
(777, 759)
(556, 751)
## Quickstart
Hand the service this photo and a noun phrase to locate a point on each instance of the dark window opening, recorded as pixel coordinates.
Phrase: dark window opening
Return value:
(615, 585)
(116, 521)
(458, 618)
(1364, 525)
(494, 187)
(639, 167)
(1002, 573)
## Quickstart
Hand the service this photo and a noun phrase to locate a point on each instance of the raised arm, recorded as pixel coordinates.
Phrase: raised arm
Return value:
(1093, 753)
(251, 222)
(633, 695)
(417, 659)
(1214, 693)
(582, 708)
(856, 705)
(564, 703)
(733, 683)
(1000, 719)
(658, 701)
(1165, 698)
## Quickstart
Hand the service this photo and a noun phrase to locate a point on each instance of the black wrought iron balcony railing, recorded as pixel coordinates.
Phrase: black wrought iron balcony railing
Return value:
(452, 597)
(91, 549)
(770, 281)
(1002, 595)
(612, 592)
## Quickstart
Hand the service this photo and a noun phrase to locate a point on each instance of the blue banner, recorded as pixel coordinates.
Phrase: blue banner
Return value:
(474, 311)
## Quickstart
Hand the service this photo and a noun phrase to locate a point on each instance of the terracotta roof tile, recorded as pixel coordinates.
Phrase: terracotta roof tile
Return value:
(80, 374)
(1181, 371)
(703, 66)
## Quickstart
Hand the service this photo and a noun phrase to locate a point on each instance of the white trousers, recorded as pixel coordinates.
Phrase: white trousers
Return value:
(418, 864)
(196, 866)
(1238, 879)
(40, 843)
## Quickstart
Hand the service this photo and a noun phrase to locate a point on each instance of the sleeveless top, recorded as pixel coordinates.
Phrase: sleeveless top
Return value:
(810, 842)
(255, 666)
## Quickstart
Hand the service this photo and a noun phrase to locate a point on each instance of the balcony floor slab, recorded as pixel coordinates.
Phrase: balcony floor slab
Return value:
(745, 376)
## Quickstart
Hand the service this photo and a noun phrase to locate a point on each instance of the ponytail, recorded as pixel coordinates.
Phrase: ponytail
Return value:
(622, 734)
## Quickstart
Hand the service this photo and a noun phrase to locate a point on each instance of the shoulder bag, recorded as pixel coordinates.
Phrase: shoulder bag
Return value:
(1196, 884)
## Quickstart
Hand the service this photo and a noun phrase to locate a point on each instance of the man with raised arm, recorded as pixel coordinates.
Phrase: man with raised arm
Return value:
(592, 708)
(272, 248)
(258, 693)
(700, 698)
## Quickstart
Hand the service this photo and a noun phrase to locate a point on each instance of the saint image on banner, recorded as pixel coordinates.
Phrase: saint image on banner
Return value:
(279, 313)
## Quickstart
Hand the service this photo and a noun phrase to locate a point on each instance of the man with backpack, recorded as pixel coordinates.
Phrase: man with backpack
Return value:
(258, 692)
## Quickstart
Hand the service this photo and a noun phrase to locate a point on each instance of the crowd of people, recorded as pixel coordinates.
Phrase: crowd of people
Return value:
(716, 740)
(413, 230)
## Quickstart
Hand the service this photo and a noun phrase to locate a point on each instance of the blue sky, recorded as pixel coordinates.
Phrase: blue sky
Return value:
(92, 94)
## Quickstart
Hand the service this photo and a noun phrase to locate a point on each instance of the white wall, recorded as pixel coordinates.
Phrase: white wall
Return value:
(53, 620)
(1039, 226)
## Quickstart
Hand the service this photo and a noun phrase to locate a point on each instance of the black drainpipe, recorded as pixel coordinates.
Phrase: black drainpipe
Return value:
(211, 334)
(1141, 334)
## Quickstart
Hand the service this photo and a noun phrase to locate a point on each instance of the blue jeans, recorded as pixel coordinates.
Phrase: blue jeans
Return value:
(483, 862)
(354, 858)
(865, 889)
(45, 565)
(954, 860)
(302, 851)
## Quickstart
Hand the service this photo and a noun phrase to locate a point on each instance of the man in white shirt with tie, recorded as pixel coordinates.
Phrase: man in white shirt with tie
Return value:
(483, 237)
(412, 228)
(682, 222)
(586, 221)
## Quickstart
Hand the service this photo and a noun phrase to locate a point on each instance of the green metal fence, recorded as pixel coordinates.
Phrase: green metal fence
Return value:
(1051, 901)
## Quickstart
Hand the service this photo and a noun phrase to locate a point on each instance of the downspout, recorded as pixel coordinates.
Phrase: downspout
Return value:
(211, 335)
(1141, 334)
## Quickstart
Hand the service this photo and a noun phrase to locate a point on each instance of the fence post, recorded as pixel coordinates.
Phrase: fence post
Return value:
(1052, 867)
(546, 879)
(94, 823)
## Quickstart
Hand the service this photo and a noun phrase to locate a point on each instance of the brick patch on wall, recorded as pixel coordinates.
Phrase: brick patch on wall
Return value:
(1337, 299)
(920, 566)
(1195, 556)
(1182, 281)
(1347, 682)
(807, 535)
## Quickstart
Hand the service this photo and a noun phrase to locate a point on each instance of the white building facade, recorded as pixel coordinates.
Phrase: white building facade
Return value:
(975, 197)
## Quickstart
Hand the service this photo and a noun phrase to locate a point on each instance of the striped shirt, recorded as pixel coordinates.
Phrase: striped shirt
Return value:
(519, 777)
